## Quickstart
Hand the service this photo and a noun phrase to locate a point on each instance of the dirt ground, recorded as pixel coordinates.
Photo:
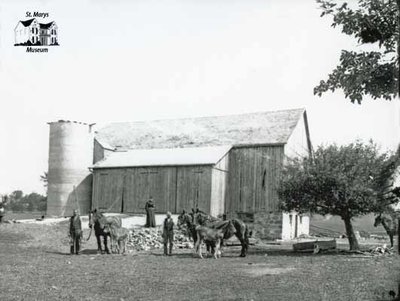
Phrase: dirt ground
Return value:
(35, 265)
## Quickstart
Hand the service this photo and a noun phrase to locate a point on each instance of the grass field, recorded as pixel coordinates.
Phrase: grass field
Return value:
(35, 265)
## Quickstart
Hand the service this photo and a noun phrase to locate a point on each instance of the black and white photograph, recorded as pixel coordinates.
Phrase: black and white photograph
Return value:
(199, 150)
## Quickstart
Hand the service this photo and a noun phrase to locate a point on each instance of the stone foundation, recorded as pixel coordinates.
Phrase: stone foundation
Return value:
(265, 225)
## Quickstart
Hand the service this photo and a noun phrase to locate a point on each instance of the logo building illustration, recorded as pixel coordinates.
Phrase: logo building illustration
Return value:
(33, 33)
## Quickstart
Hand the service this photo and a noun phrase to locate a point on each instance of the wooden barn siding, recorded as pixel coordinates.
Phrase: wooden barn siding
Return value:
(172, 188)
(108, 190)
(219, 185)
(98, 151)
(141, 183)
(193, 188)
(253, 178)
(299, 144)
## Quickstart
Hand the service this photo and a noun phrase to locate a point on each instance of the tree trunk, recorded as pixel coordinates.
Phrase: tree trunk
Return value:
(398, 238)
(350, 234)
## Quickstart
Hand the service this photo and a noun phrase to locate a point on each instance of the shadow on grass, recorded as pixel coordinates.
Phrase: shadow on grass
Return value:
(175, 255)
(291, 253)
(83, 252)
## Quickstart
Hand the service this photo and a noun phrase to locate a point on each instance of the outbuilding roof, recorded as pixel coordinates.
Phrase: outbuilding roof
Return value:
(244, 129)
(164, 157)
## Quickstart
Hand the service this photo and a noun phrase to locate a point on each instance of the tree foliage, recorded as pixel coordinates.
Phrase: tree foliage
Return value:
(338, 180)
(373, 73)
(18, 202)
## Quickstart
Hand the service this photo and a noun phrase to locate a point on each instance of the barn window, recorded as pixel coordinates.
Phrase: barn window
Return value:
(301, 219)
(263, 179)
(290, 219)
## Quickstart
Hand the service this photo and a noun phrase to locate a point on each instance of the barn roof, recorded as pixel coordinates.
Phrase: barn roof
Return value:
(244, 129)
(164, 157)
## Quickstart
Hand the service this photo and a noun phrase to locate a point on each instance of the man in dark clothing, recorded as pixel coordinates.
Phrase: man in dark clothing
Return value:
(168, 234)
(75, 232)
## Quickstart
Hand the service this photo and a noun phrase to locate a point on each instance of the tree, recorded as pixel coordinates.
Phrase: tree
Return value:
(373, 73)
(34, 202)
(18, 202)
(338, 180)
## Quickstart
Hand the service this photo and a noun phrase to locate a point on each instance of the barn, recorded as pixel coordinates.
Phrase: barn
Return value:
(222, 164)
(176, 178)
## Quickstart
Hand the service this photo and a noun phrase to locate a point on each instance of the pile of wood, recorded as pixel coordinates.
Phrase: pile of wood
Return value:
(143, 239)
(381, 250)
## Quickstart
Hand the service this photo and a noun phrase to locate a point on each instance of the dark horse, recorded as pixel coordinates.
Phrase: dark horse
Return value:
(390, 225)
(186, 219)
(200, 218)
(98, 221)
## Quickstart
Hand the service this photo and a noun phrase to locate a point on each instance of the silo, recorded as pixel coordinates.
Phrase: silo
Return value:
(70, 156)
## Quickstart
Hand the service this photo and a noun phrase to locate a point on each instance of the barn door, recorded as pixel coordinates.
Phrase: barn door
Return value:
(197, 188)
(141, 183)
(193, 188)
(108, 193)
(136, 190)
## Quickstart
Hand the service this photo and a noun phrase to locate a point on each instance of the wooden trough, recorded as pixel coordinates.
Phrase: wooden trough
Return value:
(315, 246)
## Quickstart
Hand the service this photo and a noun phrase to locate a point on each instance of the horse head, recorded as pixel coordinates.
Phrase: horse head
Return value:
(378, 220)
(91, 217)
(97, 219)
(184, 219)
(231, 229)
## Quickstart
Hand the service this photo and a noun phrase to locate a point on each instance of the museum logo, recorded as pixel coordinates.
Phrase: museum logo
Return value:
(35, 34)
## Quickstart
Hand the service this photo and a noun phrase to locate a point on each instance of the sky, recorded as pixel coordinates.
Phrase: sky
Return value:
(143, 60)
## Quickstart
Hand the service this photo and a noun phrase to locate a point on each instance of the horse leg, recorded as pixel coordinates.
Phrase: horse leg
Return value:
(197, 247)
(105, 244)
(217, 246)
(200, 242)
(243, 242)
(119, 244)
(98, 244)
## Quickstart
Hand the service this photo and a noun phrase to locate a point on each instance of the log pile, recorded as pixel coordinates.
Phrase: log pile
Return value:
(144, 239)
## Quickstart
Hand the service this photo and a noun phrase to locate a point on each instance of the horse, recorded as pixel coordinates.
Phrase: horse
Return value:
(390, 225)
(241, 229)
(98, 221)
(119, 237)
(186, 219)
(214, 235)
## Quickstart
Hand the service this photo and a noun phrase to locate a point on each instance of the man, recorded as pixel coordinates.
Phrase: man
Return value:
(75, 232)
(168, 234)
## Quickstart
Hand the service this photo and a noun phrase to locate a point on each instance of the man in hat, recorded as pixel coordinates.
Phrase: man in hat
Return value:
(168, 234)
(75, 232)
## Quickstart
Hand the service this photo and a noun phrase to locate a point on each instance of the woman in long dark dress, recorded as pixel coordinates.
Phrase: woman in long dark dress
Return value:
(150, 218)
